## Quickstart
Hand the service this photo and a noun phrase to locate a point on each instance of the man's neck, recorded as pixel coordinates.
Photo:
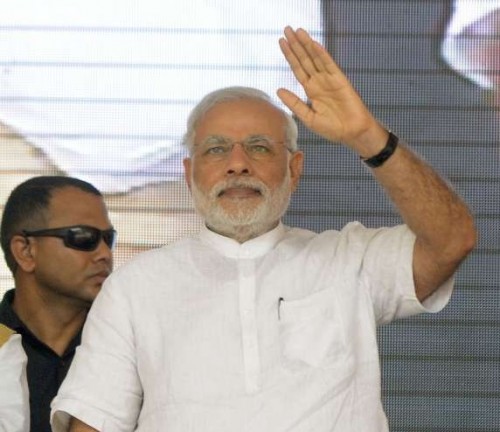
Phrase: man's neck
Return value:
(55, 325)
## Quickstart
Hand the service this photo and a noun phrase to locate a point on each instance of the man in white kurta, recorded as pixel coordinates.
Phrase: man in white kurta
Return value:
(275, 334)
(252, 325)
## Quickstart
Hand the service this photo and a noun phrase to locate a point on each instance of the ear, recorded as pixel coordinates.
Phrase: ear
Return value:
(23, 251)
(296, 164)
(187, 162)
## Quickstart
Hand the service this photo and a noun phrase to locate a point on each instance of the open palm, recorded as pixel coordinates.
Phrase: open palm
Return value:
(335, 110)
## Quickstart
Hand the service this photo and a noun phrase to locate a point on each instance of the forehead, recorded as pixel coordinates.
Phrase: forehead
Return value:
(73, 206)
(240, 118)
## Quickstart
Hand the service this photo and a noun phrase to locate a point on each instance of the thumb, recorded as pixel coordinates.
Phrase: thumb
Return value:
(295, 104)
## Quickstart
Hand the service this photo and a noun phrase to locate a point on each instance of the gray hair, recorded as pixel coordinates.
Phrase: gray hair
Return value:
(231, 94)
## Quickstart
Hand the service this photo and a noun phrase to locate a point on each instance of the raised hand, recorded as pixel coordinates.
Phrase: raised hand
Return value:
(335, 110)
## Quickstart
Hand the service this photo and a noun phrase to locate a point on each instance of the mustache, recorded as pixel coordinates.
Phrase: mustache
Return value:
(249, 183)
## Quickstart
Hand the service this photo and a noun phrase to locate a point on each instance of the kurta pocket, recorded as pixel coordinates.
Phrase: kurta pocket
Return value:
(311, 332)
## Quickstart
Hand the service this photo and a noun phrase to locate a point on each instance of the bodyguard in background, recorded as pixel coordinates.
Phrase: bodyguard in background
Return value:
(57, 240)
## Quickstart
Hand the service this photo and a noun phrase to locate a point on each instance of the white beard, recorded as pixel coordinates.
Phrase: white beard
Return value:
(246, 220)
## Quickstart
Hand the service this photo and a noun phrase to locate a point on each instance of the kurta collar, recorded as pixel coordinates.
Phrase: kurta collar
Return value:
(253, 248)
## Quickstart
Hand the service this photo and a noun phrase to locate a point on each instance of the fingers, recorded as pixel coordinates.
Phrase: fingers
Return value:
(326, 60)
(299, 54)
(305, 55)
(293, 61)
(306, 50)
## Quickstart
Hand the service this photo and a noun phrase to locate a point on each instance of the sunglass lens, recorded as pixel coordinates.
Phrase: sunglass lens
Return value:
(109, 238)
(83, 238)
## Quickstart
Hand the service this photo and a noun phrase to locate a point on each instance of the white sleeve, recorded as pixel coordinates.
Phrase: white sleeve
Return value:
(387, 272)
(102, 387)
(14, 395)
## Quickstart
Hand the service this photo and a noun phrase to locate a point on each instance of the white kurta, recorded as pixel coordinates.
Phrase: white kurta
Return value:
(275, 334)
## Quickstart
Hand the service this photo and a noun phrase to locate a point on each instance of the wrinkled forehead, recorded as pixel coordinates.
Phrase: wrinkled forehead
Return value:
(242, 117)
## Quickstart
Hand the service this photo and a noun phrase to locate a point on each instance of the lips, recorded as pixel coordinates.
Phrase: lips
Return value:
(100, 276)
(240, 192)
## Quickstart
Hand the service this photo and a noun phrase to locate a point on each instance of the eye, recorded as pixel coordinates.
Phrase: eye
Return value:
(259, 145)
(214, 146)
(216, 150)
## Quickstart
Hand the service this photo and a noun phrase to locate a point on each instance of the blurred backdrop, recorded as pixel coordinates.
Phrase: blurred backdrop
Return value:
(101, 90)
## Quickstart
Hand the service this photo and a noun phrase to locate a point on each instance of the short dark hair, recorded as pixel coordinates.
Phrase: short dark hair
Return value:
(26, 207)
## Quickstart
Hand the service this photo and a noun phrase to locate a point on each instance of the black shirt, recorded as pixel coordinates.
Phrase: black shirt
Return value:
(46, 369)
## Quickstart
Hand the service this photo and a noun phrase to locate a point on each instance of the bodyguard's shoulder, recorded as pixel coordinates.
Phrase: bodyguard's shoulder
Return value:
(5, 334)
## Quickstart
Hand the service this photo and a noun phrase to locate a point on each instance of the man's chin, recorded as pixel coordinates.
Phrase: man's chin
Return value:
(240, 216)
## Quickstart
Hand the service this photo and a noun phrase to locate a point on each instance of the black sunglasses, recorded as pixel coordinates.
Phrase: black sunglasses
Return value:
(79, 237)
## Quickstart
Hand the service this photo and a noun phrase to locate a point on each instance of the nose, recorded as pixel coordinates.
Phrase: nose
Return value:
(238, 162)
